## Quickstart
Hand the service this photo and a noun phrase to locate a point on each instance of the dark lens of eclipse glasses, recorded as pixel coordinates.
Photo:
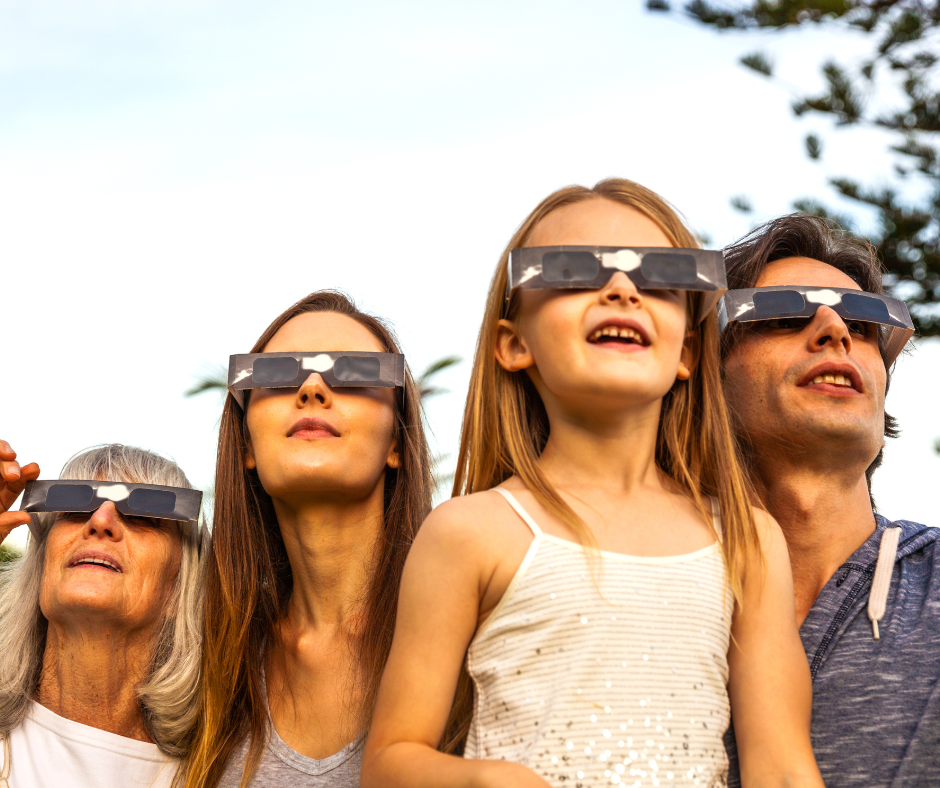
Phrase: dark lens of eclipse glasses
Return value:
(152, 501)
(864, 308)
(357, 369)
(773, 303)
(671, 269)
(66, 497)
(569, 267)
(280, 369)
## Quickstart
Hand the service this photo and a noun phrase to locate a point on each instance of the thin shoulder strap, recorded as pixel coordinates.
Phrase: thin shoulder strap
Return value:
(716, 518)
(519, 510)
(5, 772)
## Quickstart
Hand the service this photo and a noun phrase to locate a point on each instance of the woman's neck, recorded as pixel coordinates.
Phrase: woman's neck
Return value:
(311, 669)
(331, 548)
(616, 451)
(91, 674)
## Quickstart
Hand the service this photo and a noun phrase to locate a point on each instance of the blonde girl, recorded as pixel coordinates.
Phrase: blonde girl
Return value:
(602, 579)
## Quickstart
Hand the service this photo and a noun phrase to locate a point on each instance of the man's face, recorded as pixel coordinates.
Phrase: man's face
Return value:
(815, 384)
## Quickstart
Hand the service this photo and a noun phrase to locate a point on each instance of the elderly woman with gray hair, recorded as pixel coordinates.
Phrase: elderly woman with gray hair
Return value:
(100, 621)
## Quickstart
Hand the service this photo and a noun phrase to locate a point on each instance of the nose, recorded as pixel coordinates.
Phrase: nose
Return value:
(314, 388)
(829, 330)
(105, 523)
(620, 289)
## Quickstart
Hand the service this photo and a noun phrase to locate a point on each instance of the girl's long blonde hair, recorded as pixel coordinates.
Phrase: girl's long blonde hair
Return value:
(505, 425)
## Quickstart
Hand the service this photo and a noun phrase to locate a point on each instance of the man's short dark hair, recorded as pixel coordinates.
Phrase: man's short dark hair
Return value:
(803, 235)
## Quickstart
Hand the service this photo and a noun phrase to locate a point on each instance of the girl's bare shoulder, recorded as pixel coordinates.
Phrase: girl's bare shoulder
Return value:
(772, 540)
(478, 519)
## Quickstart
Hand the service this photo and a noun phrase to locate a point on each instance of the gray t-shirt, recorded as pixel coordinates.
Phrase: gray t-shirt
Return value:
(282, 767)
(876, 703)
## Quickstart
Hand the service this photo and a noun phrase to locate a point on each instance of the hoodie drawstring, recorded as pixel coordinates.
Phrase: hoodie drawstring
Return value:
(881, 582)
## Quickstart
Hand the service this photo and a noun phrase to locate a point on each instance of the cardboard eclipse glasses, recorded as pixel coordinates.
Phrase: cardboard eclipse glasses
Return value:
(591, 267)
(131, 500)
(771, 303)
(343, 368)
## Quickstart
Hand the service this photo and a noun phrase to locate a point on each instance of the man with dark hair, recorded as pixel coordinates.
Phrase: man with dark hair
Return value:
(806, 358)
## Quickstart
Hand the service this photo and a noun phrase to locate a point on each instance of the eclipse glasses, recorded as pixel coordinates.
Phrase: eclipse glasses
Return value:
(343, 368)
(131, 500)
(591, 267)
(771, 303)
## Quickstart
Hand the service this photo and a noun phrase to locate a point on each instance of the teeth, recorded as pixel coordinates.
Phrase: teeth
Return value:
(621, 332)
(99, 561)
(836, 380)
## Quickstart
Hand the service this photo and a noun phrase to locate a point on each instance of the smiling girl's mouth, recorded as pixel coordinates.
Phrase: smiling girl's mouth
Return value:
(616, 335)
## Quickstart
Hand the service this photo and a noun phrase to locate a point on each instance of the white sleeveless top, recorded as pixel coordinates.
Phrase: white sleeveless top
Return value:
(616, 677)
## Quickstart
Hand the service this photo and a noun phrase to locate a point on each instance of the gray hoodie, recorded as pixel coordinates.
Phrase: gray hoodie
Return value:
(876, 703)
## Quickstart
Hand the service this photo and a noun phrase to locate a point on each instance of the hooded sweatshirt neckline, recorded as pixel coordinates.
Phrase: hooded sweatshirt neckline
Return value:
(846, 593)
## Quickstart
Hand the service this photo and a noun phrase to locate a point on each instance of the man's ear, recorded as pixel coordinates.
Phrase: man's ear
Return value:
(688, 359)
(512, 353)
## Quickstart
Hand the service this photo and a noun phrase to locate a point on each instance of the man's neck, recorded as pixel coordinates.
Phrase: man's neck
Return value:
(92, 677)
(825, 517)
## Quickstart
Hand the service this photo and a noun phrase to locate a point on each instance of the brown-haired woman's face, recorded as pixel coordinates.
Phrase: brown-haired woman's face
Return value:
(316, 441)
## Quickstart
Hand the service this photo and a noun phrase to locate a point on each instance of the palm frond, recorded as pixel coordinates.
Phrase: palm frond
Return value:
(214, 380)
(425, 388)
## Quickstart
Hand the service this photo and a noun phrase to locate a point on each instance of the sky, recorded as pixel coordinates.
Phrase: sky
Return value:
(173, 175)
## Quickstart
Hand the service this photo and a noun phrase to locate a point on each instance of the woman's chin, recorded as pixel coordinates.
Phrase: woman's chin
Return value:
(323, 485)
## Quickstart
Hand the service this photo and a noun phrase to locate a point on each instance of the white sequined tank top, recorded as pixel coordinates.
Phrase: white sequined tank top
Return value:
(615, 678)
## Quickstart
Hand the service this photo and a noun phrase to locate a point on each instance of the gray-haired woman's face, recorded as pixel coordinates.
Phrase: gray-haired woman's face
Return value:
(106, 569)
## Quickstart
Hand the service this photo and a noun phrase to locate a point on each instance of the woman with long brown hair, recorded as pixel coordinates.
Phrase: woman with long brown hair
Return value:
(322, 480)
(603, 579)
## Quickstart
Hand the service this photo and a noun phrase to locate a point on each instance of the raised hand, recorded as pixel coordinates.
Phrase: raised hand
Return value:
(13, 479)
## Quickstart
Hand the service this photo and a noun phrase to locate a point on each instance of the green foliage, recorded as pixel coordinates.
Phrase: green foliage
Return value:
(759, 62)
(900, 73)
(216, 380)
(781, 13)
(425, 387)
(809, 205)
(813, 146)
(742, 203)
(8, 554)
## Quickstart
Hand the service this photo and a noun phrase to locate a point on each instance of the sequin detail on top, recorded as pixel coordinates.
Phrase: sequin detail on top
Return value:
(619, 678)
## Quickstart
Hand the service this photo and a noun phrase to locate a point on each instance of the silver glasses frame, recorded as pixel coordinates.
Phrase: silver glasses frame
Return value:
(648, 267)
(737, 306)
(187, 502)
(337, 367)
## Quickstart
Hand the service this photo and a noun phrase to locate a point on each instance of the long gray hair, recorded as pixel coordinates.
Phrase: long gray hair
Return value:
(169, 696)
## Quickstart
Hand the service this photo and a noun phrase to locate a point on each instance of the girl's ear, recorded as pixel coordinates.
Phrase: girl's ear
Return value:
(511, 350)
(394, 458)
(688, 359)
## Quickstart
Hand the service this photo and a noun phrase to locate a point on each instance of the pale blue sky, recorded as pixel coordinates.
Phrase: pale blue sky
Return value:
(174, 174)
